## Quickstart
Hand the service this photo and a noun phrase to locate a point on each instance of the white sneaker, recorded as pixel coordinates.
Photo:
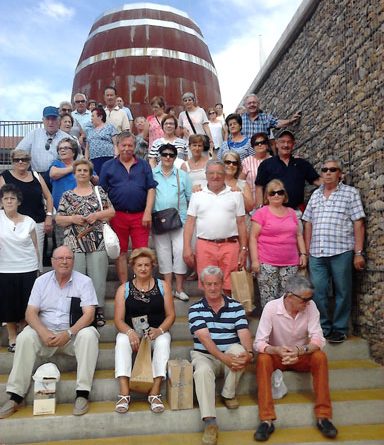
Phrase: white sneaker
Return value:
(181, 295)
(279, 388)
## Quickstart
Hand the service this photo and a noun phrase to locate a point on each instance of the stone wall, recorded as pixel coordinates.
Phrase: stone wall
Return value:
(331, 67)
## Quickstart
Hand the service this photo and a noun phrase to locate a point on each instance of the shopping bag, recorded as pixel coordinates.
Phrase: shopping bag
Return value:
(242, 288)
(141, 377)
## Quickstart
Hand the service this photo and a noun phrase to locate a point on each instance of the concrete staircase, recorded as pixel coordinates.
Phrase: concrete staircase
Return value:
(357, 390)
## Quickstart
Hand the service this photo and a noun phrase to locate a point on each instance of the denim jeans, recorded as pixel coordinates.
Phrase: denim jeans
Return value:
(339, 269)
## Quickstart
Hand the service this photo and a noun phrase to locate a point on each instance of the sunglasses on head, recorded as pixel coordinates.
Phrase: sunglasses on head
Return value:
(330, 169)
(48, 143)
(276, 192)
(228, 162)
(168, 155)
(260, 143)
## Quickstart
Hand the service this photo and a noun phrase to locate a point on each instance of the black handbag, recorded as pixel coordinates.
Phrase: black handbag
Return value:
(166, 220)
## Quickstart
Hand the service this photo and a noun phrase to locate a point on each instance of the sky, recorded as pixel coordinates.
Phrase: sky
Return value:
(41, 42)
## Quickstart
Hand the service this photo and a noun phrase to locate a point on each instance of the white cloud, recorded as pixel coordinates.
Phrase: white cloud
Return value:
(239, 62)
(56, 10)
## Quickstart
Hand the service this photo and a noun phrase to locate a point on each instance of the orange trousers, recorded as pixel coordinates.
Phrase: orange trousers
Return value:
(316, 363)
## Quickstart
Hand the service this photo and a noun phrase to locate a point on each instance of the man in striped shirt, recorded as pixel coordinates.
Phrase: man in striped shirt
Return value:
(222, 344)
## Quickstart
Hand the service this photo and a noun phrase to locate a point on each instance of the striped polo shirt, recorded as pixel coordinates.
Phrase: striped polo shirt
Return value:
(222, 326)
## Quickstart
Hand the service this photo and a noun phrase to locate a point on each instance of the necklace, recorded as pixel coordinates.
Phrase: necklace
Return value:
(141, 287)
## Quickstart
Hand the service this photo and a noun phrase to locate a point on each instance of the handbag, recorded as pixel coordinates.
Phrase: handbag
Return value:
(142, 377)
(166, 220)
(111, 240)
(242, 288)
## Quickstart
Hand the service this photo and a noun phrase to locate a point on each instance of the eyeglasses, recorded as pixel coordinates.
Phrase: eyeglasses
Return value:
(260, 143)
(168, 155)
(16, 160)
(66, 110)
(305, 299)
(276, 192)
(63, 258)
(330, 169)
(65, 148)
(80, 101)
(211, 112)
(228, 162)
(48, 143)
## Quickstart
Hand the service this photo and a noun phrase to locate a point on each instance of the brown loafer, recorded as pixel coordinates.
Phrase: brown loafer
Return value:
(9, 408)
(230, 403)
(210, 435)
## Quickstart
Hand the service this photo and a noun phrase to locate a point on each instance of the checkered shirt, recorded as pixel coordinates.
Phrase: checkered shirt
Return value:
(332, 220)
(262, 124)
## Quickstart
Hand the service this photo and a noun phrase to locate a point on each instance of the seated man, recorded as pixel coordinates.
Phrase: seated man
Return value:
(53, 327)
(289, 337)
(222, 343)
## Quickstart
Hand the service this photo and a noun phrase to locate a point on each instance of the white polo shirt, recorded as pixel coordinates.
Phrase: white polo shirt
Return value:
(216, 213)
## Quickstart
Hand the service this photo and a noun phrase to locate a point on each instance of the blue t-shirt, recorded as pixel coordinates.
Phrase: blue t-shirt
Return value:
(59, 186)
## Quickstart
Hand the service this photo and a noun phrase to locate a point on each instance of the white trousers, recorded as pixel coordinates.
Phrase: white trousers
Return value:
(84, 345)
(205, 370)
(169, 250)
(161, 348)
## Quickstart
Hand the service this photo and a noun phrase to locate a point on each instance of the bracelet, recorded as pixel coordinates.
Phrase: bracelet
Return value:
(48, 214)
(129, 330)
(244, 248)
(161, 330)
(359, 253)
(303, 254)
(298, 350)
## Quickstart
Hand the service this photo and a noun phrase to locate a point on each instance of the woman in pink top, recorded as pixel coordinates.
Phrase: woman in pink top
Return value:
(276, 243)
(153, 129)
(250, 165)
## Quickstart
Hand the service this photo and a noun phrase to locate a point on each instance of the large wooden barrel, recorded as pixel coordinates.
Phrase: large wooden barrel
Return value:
(147, 50)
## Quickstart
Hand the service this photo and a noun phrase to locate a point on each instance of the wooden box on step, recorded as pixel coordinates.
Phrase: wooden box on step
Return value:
(180, 384)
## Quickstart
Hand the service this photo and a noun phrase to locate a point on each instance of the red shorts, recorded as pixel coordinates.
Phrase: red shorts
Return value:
(129, 225)
(223, 255)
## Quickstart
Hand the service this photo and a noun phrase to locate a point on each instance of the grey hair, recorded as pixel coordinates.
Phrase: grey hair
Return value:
(211, 270)
(125, 134)
(188, 94)
(251, 95)
(64, 102)
(80, 94)
(214, 162)
(298, 284)
(335, 159)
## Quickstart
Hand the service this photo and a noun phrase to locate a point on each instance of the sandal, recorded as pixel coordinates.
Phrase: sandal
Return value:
(12, 347)
(100, 319)
(156, 403)
(122, 404)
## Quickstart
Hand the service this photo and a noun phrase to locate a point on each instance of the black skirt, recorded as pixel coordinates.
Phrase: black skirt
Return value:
(15, 289)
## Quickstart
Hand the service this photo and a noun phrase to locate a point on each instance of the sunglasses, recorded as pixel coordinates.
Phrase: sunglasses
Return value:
(168, 155)
(228, 162)
(260, 143)
(80, 101)
(305, 299)
(16, 160)
(48, 143)
(276, 192)
(66, 110)
(330, 169)
(65, 148)
(211, 112)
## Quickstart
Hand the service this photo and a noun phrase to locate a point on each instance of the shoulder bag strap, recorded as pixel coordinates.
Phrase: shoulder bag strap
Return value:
(178, 190)
(190, 122)
(98, 196)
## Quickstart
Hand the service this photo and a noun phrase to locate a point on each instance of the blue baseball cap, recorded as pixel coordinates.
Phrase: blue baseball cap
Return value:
(51, 112)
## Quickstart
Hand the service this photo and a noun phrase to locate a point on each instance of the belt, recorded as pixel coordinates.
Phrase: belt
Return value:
(231, 239)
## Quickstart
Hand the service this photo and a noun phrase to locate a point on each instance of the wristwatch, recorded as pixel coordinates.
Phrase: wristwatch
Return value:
(69, 332)
(48, 214)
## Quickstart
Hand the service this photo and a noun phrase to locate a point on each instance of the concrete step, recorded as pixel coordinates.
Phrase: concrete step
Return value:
(348, 435)
(343, 375)
(349, 350)
(295, 410)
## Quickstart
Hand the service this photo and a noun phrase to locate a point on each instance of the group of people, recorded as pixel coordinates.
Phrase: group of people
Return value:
(241, 207)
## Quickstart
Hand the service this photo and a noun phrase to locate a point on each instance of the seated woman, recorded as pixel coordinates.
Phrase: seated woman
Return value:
(143, 296)
(276, 243)
(82, 216)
